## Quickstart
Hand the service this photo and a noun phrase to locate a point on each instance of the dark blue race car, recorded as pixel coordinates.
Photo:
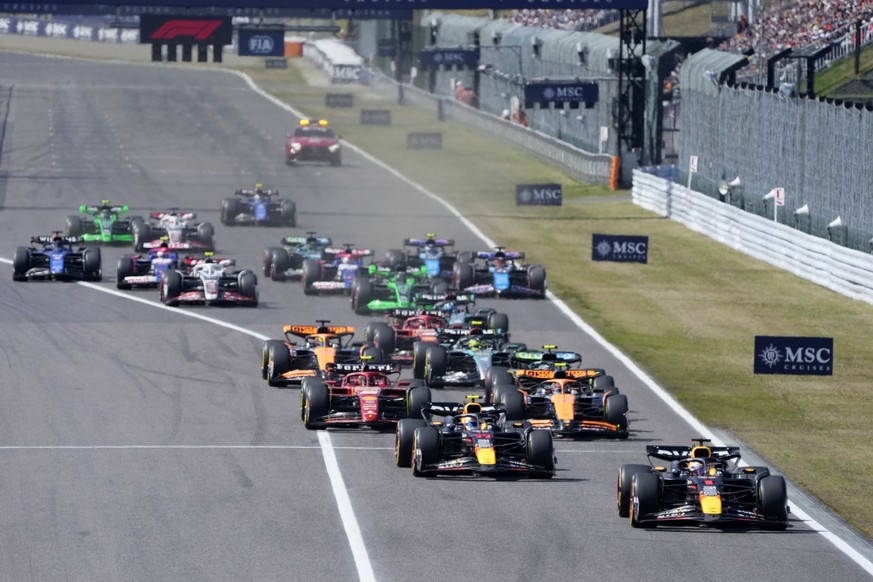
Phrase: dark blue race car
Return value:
(57, 260)
(146, 270)
(500, 273)
(258, 206)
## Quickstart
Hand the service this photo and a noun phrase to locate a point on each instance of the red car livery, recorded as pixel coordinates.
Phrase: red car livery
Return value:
(313, 141)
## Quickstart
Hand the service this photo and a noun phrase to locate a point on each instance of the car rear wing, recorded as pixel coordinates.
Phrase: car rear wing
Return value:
(94, 209)
(421, 242)
(526, 358)
(491, 255)
(71, 240)
(306, 330)
(681, 452)
(322, 241)
(406, 313)
(350, 367)
(183, 215)
(529, 378)
(250, 192)
(348, 251)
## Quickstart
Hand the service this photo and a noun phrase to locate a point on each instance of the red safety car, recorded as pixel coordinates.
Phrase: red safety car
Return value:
(313, 141)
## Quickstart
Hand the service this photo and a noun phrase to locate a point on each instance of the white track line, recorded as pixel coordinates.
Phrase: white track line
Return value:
(350, 523)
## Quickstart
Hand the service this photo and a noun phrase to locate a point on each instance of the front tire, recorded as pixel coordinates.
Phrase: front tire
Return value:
(20, 264)
(125, 268)
(404, 438)
(623, 486)
(316, 404)
(426, 449)
(541, 452)
(645, 499)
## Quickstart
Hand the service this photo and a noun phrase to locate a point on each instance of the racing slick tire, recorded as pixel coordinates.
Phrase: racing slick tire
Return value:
(615, 412)
(73, 226)
(265, 355)
(623, 486)
(229, 210)
(425, 449)
(601, 383)
(125, 268)
(362, 296)
(404, 437)
(536, 278)
(439, 287)
(645, 494)
(316, 404)
(248, 287)
(419, 356)
(92, 265)
(773, 502)
(376, 355)
(141, 234)
(311, 274)
(488, 380)
(279, 263)
(395, 258)
(499, 321)
(416, 399)
(464, 257)
(288, 208)
(20, 264)
(385, 339)
(435, 362)
(463, 276)
(513, 403)
(278, 362)
(206, 235)
(370, 330)
(501, 384)
(268, 259)
(171, 287)
(541, 451)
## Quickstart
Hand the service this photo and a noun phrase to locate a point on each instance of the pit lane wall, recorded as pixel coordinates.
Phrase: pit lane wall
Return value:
(846, 271)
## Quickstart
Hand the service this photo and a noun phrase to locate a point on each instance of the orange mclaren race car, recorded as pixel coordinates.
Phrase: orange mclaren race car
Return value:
(570, 402)
(285, 363)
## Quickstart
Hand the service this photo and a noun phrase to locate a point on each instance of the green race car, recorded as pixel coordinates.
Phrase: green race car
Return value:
(102, 224)
(400, 288)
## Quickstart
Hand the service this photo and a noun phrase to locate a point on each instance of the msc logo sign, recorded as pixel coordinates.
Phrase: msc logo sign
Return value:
(620, 248)
(804, 356)
(538, 195)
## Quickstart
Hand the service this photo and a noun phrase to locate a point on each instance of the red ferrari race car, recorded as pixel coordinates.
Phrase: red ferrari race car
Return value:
(361, 395)
(313, 141)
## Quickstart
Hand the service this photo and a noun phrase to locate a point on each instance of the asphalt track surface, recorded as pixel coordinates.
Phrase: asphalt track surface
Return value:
(137, 443)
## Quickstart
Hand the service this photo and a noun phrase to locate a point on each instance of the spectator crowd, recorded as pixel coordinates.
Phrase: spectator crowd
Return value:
(578, 20)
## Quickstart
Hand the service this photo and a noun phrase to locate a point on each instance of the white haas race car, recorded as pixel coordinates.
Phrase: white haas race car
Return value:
(178, 230)
(209, 282)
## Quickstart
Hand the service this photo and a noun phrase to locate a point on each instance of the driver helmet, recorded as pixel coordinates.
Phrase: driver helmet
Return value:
(311, 240)
(468, 422)
(208, 260)
(162, 249)
(58, 242)
(499, 260)
(695, 467)
(474, 344)
(259, 188)
(346, 260)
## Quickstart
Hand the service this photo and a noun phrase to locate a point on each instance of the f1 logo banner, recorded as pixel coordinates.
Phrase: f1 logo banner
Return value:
(544, 93)
(538, 195)
(261, 43)
(798, 356)
(216, 30)
(620, 248)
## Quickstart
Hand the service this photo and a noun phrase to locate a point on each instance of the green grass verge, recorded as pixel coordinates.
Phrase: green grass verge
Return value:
(688, 318)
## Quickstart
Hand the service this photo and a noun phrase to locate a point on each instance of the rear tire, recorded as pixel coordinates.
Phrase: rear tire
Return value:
(316, 398)
(385, 339)
(513, 402)
(404, 438)
(645, 498)
(773, 501)
(376, 355)
(623, 486)
(463, 276)
(499, 321)
(289, 213)
(92, 265)
(229, 210)
(419, 356)
(206, 235)
(435, 365)
(311, 274)
(141, 235)
(126, 268)
(541, 452)
(416, 399)
(426, 449)
(20, 264)
(73, 226)
(395, 258)
(615, 412)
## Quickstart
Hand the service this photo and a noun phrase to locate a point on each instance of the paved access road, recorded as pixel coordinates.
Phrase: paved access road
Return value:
(138, 443)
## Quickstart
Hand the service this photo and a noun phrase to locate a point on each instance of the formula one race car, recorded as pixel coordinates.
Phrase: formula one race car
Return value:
(258, 206)
(336, 272)
(361, 395)
(569, 402)
(146, 270)
(284, 363)
(286, 262)
(209, 282)
(177, 230)
(701, 484)
(436, 255)
(500, 273)
(101, 223)
(56, 260)
(467, 361)
(471, 438)
(315, 142)
(384, 288)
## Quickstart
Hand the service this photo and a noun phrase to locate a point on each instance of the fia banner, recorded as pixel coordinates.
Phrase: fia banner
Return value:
(797, 356)
(261, 43)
